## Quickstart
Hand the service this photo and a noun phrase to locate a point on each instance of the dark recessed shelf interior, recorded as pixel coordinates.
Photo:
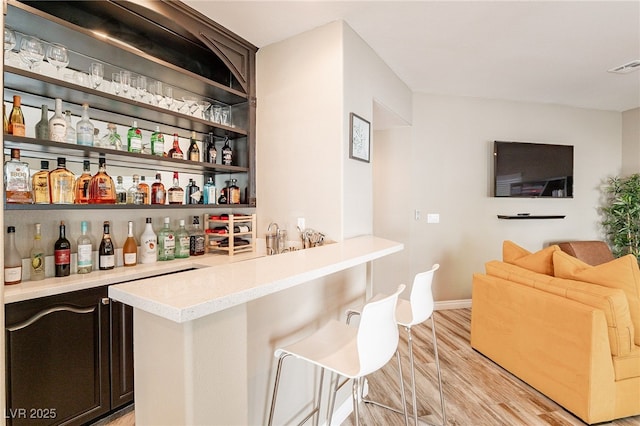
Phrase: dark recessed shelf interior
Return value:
(521, 216)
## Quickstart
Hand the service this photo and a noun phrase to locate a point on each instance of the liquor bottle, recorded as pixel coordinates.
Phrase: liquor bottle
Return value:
(194, 195)
(112, 139)
(16, 119)
(70, 136)
(101, 188)
(62, 254)
(82, 184)
(57, 124)
(144, 188)
(85, 128)
(5, 120)
(17, 180)
(233, 192)
(148, 244)
(193, 153)
(166, 242)
(157, 143)
(107, 251)
(12, 259)
(40, 184)
(227, 153)
(175, 151)
(121, 193)
(158, 193)
(175, 193)
(182, 241)
(42, 126)
(85, 250)
(130, 248)
(134, 195)
(209, 192)
(196, 238)
(37, 256)
(134, 138)
(61, 182)
(211, 153)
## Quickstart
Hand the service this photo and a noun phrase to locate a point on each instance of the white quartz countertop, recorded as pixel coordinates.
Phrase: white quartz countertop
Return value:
(215, 286)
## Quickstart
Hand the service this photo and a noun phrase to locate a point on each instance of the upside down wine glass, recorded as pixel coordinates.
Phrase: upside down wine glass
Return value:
(58, 56)
(31, 50)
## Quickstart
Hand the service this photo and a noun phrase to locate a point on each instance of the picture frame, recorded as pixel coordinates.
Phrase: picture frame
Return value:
(359, 138)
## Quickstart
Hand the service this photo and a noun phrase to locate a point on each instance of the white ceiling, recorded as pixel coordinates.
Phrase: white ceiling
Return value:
(554, 52)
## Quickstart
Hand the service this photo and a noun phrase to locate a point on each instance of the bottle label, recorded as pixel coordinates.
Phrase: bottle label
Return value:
(169, 244)
(19, 129)
(176, 197)
(107, 261)
(183, 246)
(12, 274)
(196, 245)
(149, 251)
(159, 196)
(177, 155)
(62, 257)
(37, 263)
(58, 131)
(135, 144)
(85, 255)
(84, 135)
(130, 258)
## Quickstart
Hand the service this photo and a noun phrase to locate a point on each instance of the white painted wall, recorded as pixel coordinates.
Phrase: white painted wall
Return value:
(631, 141)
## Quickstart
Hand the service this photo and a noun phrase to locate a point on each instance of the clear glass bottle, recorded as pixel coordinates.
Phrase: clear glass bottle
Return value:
(112, 139)
(16, 119)
(130, 247)
(85, 128)
(40, 184)
(196, 238)
(209, 192)
(134, 195)
(211, 153)
(61, 183)
(121, 193)
(175, 151)
(145, 189)
(102, 190)
(227, 153)
(157, 143)
(12, 259)
(175, 194)
(62, 253)
(107, 250)
(82, 184)
(85, 250)
(158, 192)
(57, 124)
(182, 241)
(42, 126)
(193, 153)
(17, 180)
(148, 243)
(70, 136)
(166, 242)
(37, 255)
(134, 138)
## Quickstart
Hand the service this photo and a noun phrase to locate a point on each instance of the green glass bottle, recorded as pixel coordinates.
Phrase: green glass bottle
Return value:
(134, 138)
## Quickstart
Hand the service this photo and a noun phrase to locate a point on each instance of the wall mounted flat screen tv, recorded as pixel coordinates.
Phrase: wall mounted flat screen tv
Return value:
(534, 170)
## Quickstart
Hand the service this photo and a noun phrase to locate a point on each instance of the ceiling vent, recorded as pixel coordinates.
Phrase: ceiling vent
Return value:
(626, 68)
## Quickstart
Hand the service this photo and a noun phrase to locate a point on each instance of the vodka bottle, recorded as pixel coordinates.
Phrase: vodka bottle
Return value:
(37, 256)
(16, 119)
(62, 254)
(107, 250)
(134, 195)
(12, 259)
(148, 244)
(40, 184)
(17, 180)
(182, 241)
(130, 248)
(84, 131)
(42, 126)
(82, 184)
(57, 124)
(166, 242)
(85, 250)
(121, 193)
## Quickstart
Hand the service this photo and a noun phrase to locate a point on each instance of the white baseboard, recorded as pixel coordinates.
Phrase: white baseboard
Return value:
(453, 304)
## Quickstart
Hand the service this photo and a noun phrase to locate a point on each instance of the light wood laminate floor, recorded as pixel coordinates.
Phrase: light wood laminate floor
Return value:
(477, 391)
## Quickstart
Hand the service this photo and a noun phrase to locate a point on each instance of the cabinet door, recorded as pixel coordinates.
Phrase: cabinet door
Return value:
(121, 354)
(57, 359)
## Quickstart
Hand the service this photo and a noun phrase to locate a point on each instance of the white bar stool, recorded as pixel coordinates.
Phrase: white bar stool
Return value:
(348, 351)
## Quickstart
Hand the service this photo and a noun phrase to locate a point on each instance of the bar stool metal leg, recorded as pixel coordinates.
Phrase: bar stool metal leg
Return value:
(435, 351)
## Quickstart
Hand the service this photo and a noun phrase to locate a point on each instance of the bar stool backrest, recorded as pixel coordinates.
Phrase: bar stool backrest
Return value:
(422, 303)
(378, 333)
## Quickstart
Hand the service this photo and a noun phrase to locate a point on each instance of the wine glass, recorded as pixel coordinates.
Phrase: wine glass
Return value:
(168, 95)
(9, 41)
(31, 50)
(96, 71)
(125, 81)
(116, 82)
(58, 56)
(157, 91)
(189, 103)
(142, 87)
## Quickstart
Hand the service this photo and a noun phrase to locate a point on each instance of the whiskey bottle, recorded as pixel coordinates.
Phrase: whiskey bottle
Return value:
(211, 153)
(193, 153)
(157, 143)
(134, 138)
(158, 193)
(57, 124)
(227, 153)
(166, 242)
(17, 180)
(134, 195)
(182, 241)
(121, 193)
(145, 189)
(175, 151)
(16, 119)
(101, 188)
(85, 250)
(37, 256)
(62, 254)
(85, 128)
(12, 259)
(70, 136)
(61, 183)
(176, 193)
(42, 126)
(148, 244)
(107, 251)
(196, 238)
(40, 184)
(82, 184)
(130, 248)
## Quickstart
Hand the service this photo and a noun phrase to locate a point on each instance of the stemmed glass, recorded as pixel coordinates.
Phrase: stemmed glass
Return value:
(31, 50)
(116, 82)
(58, 56)
(125, 81)
(157, 91)
(189, 103)
(142, 87)
(168, 96)
(96, 72)
(9, 41)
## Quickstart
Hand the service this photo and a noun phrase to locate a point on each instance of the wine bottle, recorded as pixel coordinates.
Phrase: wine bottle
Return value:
(37, 256)
(16, 119)
(85, 128)
(134, 138)
(12, 259)
(166, 242)
(182, 241)
(193, 153)
(62, 254)
(148, 244)
(107, 251)
(130, 248)
(57, 124)
(42, 126)
(85, 250)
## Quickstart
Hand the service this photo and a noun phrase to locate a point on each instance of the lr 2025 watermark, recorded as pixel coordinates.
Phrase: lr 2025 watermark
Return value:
(30, 413)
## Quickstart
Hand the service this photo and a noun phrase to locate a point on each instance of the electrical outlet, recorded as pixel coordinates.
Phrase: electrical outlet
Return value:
(301, 223)
(433, 218)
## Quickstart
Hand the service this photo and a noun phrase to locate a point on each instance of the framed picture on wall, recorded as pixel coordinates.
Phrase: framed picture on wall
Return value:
(360, 138)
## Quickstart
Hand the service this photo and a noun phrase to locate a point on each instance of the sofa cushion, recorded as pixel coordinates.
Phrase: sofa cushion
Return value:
(613, 302)
(622, 273)
(627, 366)
(540, 261)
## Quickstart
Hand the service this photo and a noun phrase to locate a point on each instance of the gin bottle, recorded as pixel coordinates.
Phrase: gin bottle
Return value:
(85, 128)
(134, 138)
(182, 241)
(157, 143)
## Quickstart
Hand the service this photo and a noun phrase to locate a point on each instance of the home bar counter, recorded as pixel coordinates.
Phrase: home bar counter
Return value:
(190, 328)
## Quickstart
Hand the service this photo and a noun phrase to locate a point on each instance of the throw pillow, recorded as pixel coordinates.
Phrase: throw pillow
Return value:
(540, 261)
(622, 273)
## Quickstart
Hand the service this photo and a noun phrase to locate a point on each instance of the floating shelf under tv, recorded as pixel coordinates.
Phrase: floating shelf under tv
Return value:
(521, 216)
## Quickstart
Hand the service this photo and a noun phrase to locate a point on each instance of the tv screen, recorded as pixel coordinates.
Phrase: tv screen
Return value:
(533, 170)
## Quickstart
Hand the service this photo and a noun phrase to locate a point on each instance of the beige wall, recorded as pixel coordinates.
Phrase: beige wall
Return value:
(631, 141)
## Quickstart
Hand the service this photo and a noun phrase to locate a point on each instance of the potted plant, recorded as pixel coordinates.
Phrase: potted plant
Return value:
(621, 215)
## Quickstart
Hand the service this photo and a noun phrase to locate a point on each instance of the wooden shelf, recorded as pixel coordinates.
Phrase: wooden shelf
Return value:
(510, 217)
(212, 240)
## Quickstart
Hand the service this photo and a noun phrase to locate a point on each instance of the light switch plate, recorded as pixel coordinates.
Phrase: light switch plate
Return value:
(433, 218)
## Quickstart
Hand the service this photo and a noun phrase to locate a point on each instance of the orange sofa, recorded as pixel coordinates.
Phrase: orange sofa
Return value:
(569, 329)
